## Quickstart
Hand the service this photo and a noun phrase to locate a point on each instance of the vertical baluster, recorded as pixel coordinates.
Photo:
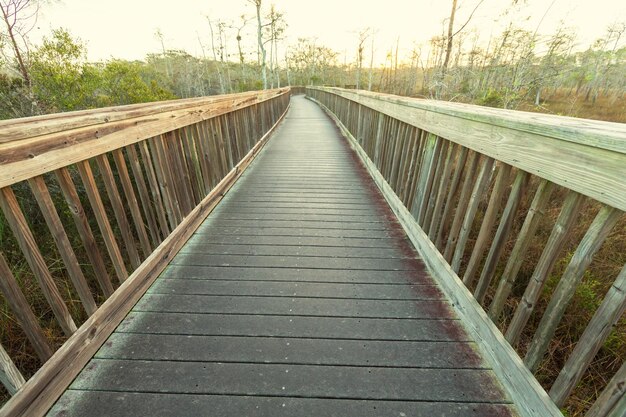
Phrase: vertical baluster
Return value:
(118, 210)
(103, 222)
(10, 376)
(502, 234)
(144, 196)
(40, 191)
(480, 188)
(131, 200)
(18, 224)
(163, 207)
(612, 401)
(442, 190)
(527, 233)
(593, 239)
(592, 339)
(23, 313)
(447, 211)
(459, 214)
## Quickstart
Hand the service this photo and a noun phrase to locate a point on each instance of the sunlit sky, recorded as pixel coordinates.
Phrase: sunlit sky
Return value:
(126, 28)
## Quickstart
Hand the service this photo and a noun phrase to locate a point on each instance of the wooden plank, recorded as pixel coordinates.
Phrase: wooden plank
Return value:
(480, 188)
(487, 224)
(23, 313)
(295, 289)
(158, 200)
(84, 230)
(517, 256)
(91, 188)
(416, 384)
(589, 245)
(519, 383)
(27, 158)
(161, 181)
(44, 388)
(40, 191)
(149, 208)
(447, 212)
(78, 403)
(118, 210)
(598, 329)
(10, 377)
(586, 156)
(549, 256)
(502, 234)
(612, 401)
(131, 202)
(237, 349)
(424, 330)
(464, 199)
(291, 274)
(26, 241)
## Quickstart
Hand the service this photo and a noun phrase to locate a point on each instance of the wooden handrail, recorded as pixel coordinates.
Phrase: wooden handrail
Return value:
(138, 178)
(435, 163)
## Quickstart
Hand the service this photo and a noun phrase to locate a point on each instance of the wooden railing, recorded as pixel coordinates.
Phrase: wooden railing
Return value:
(445, 168)
(132, 183)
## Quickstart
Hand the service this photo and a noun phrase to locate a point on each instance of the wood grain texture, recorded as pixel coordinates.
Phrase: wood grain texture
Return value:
(522, 387)
(84, 230)
(10, 376)
(612, 401)
(600, 228)
(93, 194)
(586, 156)
(42, 390)
(23, 312)
(18, 224)
(28, 157)
(42, 195)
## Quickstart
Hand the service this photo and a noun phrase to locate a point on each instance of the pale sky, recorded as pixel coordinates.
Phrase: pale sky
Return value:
(126, 28)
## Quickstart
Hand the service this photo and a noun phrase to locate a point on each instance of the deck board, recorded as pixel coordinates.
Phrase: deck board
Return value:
(300, 295)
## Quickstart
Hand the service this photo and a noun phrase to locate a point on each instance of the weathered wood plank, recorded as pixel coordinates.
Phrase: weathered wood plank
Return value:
(23, 312)
(586, 156)
(40, 191)
(26, 241)
(91, 189)
(589, 245)
(10, 376)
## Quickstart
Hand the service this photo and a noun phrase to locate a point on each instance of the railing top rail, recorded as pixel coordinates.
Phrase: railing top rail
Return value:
(586, 156)
(600, 134)
(36, 145)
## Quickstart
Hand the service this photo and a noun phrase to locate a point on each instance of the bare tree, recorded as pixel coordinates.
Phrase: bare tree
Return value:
(261, 45)
(19, 17)
(363, 35)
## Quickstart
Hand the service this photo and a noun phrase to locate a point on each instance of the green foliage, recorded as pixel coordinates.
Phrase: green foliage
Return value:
(61, 81)
(121, 82)
(492, 99)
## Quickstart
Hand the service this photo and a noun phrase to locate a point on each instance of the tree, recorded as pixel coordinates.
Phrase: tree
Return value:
(19, 17)
(261, 44)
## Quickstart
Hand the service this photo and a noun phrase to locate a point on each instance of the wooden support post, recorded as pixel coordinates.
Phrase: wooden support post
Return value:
(40, 191)
(446, 216)
(502, 234)
(10, 376)
(118, 210)
(598, 329)
(549, 256)
(590, 244)
(442, 190)
(91, 188)
(480, 188)
(132, 202)
(148, 207)
(612, 401)
(28, 245)
(527, 233)
(84, 230)
(23, 313)
(487, 225)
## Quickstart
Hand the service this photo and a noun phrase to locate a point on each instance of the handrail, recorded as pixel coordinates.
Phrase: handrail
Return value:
(438, 163)
(138, 178)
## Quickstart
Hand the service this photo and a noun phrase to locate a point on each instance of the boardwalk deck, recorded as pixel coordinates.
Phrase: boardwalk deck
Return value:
(300, 295)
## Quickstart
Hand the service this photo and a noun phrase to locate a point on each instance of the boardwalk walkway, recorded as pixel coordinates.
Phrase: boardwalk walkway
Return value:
(299, 296)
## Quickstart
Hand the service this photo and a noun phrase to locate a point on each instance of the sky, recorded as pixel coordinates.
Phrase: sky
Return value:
(126, 28)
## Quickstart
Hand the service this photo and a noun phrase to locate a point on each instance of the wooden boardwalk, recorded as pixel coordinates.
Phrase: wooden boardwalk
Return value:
(300, 295)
